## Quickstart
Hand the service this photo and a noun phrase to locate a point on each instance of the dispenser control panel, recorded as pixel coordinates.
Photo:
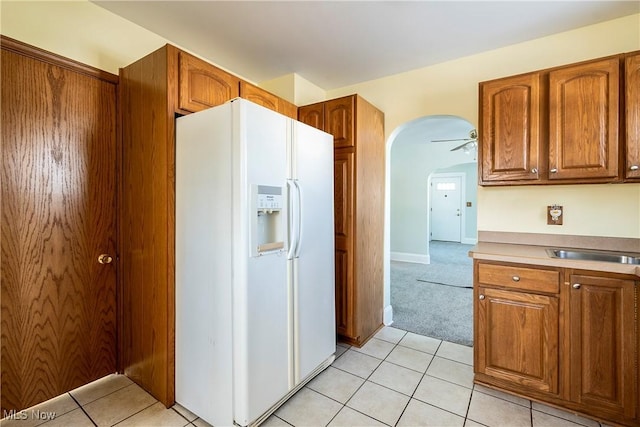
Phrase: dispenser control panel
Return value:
(269, 201)
(267, 220)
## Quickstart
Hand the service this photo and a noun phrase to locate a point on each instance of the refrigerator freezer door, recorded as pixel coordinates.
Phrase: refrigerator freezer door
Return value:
(203, 259)
(313, 268)
(262, 313)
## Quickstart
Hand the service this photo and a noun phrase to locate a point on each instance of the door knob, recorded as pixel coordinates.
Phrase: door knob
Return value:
(634, 167)
(481, 297)
(576, 286)
(105, 259)
(553, 170)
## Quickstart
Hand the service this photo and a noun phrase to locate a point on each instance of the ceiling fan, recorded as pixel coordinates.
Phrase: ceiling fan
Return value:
(469, 144)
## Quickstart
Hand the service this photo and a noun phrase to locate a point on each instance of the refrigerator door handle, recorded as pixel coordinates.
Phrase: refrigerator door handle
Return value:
(292, 232)
(299, 220)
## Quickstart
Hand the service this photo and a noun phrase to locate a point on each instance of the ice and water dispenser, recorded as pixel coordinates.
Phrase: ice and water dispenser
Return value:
(267, 217)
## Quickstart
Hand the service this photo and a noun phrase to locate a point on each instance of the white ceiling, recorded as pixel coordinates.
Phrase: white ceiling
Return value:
(339, 43)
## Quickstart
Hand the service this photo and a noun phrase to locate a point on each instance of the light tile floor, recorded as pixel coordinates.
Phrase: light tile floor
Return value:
(397, 379)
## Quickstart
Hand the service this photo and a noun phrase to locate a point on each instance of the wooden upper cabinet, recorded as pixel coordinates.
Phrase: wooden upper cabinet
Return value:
(267, 99)
(339, 116)
(512, 117)
(584, 120)
(603, 343)
(632, 102)
(288, 109)
(313, 115)
(201, 85)
(258, 96)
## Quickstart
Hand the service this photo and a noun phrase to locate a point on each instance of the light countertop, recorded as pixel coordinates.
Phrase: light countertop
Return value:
(536, 254)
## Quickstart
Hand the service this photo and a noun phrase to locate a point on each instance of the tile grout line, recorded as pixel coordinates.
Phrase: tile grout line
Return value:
(83, 410)
(367, 379)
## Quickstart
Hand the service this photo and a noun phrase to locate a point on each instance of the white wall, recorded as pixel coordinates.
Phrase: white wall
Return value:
(78, 30)
(411, 165)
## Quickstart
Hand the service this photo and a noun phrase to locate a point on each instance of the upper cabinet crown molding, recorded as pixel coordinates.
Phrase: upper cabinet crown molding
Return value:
(573, 124)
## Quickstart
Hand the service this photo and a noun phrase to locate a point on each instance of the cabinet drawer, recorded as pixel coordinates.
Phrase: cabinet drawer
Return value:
(529, 279)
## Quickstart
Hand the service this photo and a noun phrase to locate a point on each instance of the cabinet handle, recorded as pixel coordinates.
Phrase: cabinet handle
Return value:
(481, 297)
(534, 170)
(634, 168)
(553, 170)
(576, 286)
(516, 278)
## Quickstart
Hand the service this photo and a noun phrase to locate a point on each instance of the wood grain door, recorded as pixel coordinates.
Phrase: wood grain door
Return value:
(259, 96)
(313, 115)
(517, 338)
(339, 115)
(603, 343)
(201, 85)
(632, 106)
(344, 241)
(512, 118)
(584, 120)
(58, 216)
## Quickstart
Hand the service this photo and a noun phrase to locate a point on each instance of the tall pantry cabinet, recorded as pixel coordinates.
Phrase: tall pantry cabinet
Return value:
(358, 131)
(153, 91)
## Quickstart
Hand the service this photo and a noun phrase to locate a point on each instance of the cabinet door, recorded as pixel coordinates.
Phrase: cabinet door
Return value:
(258, 96)
(201, 85)
(511, 128)
(313, 115)
(343, 223)
(517, 338)
(339, 115)
(583, 126)
(632, 102)
(603, 343)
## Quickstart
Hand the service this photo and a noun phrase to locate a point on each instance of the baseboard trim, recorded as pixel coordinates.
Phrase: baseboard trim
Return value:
(407, 257)
(469, 241)
(387, 317)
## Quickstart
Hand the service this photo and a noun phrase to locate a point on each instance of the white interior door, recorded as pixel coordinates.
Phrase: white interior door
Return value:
(446, 208)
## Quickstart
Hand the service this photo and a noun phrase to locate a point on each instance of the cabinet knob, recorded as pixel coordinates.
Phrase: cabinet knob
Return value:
(481, 297)
(534, 170)
(553, 170)
(516, 278)
(634, 167)
(576, 286)
(105, 259)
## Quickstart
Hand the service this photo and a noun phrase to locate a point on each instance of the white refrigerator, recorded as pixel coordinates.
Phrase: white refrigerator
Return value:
(255, 305)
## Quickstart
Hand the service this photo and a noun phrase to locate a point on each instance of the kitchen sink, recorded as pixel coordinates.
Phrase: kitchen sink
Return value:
(590, 255)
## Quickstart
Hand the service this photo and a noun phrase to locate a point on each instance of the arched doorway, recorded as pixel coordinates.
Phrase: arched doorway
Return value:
(412, 158)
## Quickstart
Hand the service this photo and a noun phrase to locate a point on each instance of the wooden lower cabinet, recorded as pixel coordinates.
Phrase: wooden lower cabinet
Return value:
(576, 347)
(517, 338)
(603, 344)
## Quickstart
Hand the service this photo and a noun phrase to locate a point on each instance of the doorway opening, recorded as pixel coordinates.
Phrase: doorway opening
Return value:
(430, 274)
